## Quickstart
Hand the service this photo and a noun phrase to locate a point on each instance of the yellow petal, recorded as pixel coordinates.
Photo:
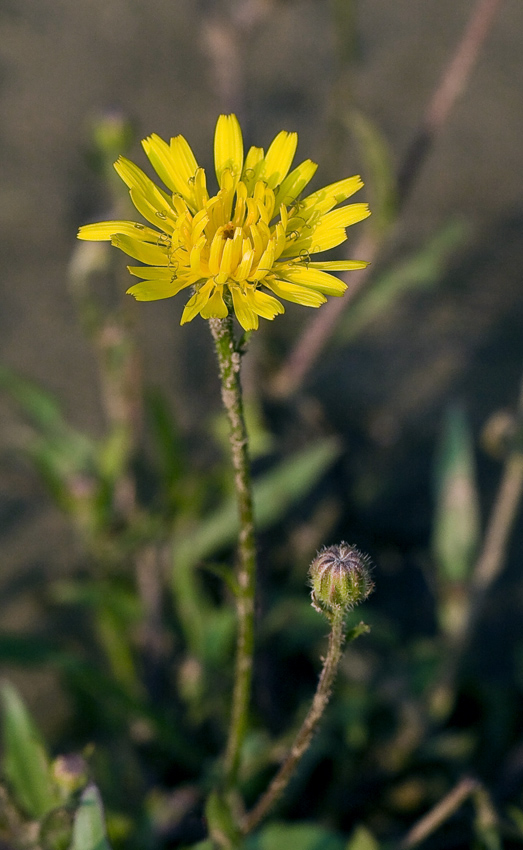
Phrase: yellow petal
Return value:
(278, 158)
(104, 230)
(215, 307)
(335, 193)
(228, 148)
(152, 255)
(198, 300)
(184, 167)
(295, 182)
(246, 316)
(294, 292)
(155, 290)
(316, 279)
(163, 218)
(345, 216)
(154, 272)
(339, 265)
(265, 263)
(251, 167)
(159, 154)
(264, 305)
(148, 199)
(183, 157)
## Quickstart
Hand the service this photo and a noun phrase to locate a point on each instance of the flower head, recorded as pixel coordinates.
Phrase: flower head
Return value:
(340, 578)
(251, 241)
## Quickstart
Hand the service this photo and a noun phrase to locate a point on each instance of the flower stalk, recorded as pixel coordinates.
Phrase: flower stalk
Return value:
(229, 361)
(310, 724)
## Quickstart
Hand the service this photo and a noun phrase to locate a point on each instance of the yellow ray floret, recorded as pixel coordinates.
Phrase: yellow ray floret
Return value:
(243, 248)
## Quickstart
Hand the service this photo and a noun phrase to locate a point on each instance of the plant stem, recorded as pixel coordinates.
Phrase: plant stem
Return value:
(440, 813)
(229, 360)
(309, 725)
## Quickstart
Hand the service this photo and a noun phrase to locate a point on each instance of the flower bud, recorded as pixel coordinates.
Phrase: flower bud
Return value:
(340, 578)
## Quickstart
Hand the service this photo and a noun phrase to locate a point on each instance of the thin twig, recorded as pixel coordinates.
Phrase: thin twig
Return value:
(452, 83)
(229, 360)
(440, 813)
(309, 725)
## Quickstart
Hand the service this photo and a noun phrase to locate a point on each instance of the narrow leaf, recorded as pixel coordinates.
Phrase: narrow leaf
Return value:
(274, 493)
(26, 763)
(362, 839)
(421, 271)
(456, 531)
(89, 831)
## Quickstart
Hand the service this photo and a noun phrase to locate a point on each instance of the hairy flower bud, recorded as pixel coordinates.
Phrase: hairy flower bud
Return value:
(340, 578)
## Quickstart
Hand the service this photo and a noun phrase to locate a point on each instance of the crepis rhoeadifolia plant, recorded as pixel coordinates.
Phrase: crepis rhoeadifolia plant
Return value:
(240, 252)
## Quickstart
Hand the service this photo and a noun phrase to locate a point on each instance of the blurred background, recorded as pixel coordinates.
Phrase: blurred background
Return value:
(354, 79)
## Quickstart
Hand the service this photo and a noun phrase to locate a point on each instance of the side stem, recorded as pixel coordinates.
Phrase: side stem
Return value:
(308, 727)
(229, 360)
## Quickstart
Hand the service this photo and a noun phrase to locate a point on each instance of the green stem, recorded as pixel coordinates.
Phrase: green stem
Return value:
(229, 359)
(309, 725)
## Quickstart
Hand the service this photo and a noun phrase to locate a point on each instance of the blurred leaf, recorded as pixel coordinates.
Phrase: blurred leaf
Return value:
(274, 493)
(486, 824)
(456, 532)
(45, 414)
(423, 270)
(25, 650)
(116, 644)
(40, 407)
(345, 29)
(168, 444)
(378, 168)
(26, 764)
(116, 609)
(110, 595)
(516, 816)
(89, 831)
(220, 820)
(56, 830)
(219, 636)
(113, 453)
(298, 836)
(362, 839)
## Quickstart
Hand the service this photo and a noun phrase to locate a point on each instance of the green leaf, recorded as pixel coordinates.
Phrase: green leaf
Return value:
(40, 407)
(379, 169)
(516, 815)
(362, 839)
(345, 29)
(456, 531)
(273, 493)
(220, 820)
(298, 836)
(421, 271)
(89, 831)
(26, 764)
(168, 443)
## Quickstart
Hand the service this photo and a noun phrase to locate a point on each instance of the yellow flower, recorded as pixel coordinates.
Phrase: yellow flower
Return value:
(251, 241)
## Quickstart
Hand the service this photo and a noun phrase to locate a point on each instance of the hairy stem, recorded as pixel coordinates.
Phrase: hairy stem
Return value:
(309, 725)
(229, 360)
